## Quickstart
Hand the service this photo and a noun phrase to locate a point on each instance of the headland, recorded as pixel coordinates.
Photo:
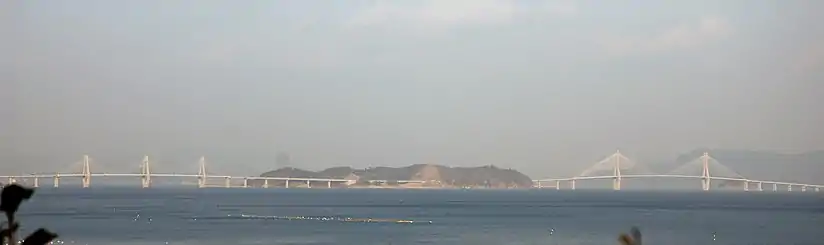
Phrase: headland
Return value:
(424, 175)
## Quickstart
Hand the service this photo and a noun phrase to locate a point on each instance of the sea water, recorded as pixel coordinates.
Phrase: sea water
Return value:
(112, 216)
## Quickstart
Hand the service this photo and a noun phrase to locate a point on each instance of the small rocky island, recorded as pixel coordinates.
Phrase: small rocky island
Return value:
(424, 175)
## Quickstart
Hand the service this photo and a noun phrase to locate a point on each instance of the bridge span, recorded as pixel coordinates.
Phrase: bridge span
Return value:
(613, 164)
(202, 177)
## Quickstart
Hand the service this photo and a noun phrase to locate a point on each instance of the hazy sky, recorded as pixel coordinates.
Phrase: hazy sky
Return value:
(548, 87)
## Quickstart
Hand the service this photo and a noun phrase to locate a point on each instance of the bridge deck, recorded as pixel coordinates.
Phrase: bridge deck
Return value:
(678, 176)
(174, 175)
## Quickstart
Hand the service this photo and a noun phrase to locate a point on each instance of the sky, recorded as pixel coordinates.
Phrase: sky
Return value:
(546, 87)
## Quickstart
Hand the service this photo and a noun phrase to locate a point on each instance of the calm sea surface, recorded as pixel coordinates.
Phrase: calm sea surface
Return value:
(100, 216)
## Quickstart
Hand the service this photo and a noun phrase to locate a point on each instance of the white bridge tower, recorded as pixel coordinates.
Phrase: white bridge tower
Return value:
(616, 171)
(201, 173)
(705, 172)
(145, 173)
(86, 172)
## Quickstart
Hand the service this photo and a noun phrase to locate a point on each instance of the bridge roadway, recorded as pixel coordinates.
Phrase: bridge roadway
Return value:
(641, 176)
(246, 179)
(146, 175)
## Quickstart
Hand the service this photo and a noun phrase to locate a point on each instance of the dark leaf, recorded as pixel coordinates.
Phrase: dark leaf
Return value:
(11, 198)
(636, 235)
(626, 239)
(39, 237)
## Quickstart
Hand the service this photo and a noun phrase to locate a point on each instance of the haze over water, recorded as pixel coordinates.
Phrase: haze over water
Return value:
(216, 216)
(545, 87)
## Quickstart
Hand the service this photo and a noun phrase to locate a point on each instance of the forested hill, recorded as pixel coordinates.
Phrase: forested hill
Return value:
(485, 176)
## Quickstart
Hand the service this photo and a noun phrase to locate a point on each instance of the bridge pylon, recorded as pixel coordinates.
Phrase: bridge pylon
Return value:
(710, 169)
(145, 173)
(86, 172)
(616, 171)
(201, 174)
(613, 167)
(706, 180)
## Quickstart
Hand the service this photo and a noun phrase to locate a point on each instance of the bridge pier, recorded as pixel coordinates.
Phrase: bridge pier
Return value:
(56, 180)
(803, 188)
(746, 185)
(539, 185)
(616, 183)
(329, 184)
(705, 184)
(287, 183)
(760, 188)
(11, 180)
(227, 182)
(775, 187)
(146, 182)
(308, 185)
(790, 188)
(266, 183)
(36, 182)
(245, 182)
(86, 182)
(557, 185)
(817, 189)
(572, 184)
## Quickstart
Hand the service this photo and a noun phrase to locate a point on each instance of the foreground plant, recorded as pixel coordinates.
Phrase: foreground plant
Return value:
(634, 238)
(10, 199)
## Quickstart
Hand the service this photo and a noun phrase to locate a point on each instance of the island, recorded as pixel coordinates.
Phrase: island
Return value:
(413, 176)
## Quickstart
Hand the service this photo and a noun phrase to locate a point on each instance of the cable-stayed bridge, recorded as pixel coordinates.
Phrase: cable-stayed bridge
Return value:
(146, 176)
(618, 167)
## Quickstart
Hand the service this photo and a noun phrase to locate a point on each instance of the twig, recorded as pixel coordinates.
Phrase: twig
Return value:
(12, 231)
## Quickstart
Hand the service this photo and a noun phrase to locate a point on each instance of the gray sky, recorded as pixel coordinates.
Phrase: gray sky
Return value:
(548, 87)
